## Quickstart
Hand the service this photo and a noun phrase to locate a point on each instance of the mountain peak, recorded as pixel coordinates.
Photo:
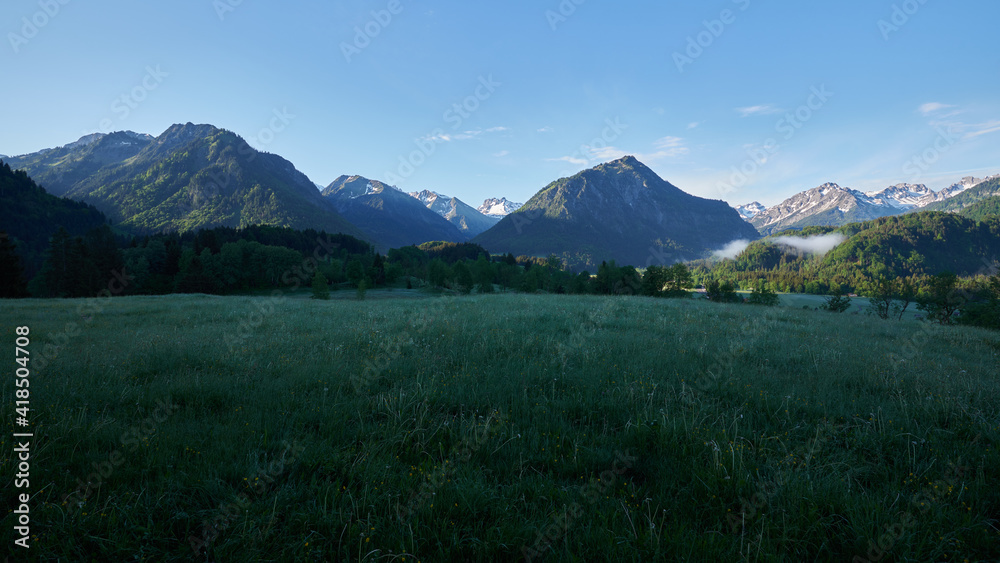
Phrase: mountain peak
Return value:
(627, 159)
(498, 208)
(187, 131)
(750, 210)
(620, 210)
(627, 162)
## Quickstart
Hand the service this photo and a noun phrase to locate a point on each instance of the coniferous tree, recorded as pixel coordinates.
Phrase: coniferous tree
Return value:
(653, 281)
(12, 284)
(377, 271)
(104, 252)
(320, 288)
(679, 280)
(355, 272)
(463, 277)
(54, 279)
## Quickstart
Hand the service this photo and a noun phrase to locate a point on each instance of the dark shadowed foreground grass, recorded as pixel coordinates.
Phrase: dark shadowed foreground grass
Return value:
(500, 428)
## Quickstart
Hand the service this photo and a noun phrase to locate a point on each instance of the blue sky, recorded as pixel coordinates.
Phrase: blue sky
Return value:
(738, 100)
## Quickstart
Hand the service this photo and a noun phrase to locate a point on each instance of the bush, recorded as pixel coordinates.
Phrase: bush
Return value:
(320, 287)
(983, 309)
(722, 293)
(762, 295)
(837, 303)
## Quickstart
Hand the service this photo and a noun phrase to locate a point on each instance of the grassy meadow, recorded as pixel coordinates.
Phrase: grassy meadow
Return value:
(501, 428)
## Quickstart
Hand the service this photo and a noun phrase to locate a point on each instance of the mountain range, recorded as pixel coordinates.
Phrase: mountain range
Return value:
(199, 176)
(620, 210)
(189, 177)
(833, 205)
(387, 215)
(468, 220)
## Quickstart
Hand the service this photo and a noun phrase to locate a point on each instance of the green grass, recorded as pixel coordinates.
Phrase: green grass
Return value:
(465, 429)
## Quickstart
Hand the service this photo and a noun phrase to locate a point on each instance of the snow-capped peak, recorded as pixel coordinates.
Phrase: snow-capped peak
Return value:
(499, 207)
(750, 210)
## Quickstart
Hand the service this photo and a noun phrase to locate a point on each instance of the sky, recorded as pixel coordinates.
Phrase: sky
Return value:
(738, 100)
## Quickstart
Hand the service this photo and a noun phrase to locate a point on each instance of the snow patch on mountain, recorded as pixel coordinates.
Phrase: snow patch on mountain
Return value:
(498, 207)
(750, 210)
(839, 205)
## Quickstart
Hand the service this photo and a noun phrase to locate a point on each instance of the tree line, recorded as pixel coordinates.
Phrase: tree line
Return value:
(234, 261)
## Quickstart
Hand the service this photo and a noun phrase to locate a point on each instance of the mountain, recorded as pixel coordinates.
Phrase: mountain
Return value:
(190, 177)
(979, 192)
(750, 210)
(832, 205)
(499, 208)
(456, 211)
(619, 211)
(61, 168)
(391, 218)
(826, 205)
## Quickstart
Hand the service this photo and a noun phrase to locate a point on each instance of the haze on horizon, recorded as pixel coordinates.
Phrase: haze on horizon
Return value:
(739, 100)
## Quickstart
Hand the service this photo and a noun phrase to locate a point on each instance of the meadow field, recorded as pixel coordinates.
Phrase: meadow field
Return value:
(499, 428)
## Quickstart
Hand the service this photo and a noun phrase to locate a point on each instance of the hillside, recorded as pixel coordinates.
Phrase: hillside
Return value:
(983, 209)
(619, 211)
(191, 177)
(985, 190)
(918, 244)
(30, 216)
(62, 168)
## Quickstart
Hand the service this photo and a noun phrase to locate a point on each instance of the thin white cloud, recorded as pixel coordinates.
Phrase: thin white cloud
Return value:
(439, 138)
(982, 129)
(766, 109)
(545, 130)
(931, 107)
(693, 124)
(501, 154)
(966, 130)
(665, 147)
(669, 147)
(569, 159)
(463, 136)
(659, 111)
(606, 153)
